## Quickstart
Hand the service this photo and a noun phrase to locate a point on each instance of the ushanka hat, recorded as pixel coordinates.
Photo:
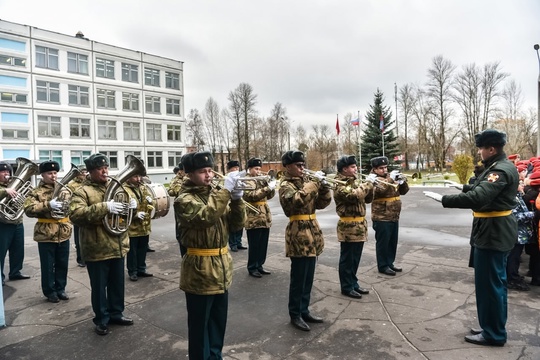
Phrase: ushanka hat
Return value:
(490, 137)
(379, 161)
(233, 163)
(48, 165)
(5, 166)
(292, 156)
(197, 160)
(95, 161)
(345, 161)
(253, 162)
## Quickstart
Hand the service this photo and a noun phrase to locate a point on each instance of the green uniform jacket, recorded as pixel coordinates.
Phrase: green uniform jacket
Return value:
(140, 227)
(303, 238)
(37, 205)
(494, 190)
(175, 186)
(3, 194)
(260, 194)
(206, 216)
(387, 210)
(87, 210)
(351, 200)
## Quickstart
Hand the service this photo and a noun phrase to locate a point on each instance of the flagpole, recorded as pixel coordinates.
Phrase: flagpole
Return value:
(381, 126)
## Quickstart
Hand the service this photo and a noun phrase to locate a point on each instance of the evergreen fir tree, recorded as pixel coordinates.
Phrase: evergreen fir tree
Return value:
(372, 143)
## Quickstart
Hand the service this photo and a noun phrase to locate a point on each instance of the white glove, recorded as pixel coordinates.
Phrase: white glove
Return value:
(319, 175)
(230, 180)
(455, 185)
(141, 215)
(149, 199)
(132, 203)
(115, 207)
(272, 184)
(372, 178)
(435, 196)
(237, 194)
(394, 174)
(400, 182)
(55, 204)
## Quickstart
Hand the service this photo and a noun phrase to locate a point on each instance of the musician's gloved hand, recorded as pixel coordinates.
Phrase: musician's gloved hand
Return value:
(394, 174)
(372, 178)
(454, 184)
(237, 194)
(435, 196)
(149, 199)
(230, 180)
(401, 181)
(132, 203)
(55, 204)
(115, 207)
(141, 215)
(272, 184)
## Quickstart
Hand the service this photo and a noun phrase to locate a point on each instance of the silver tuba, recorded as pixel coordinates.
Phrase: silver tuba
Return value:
(117, 224)
(63, 193)
(11, 208)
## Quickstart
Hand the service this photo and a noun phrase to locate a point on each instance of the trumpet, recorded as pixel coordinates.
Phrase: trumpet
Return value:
(248, 205)
(382, 182)
(311, 174)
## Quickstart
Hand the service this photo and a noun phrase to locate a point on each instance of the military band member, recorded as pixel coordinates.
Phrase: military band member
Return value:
(206, 216)
(11, 231)
(258, 225)
(235, 237)
(51, 234)
(73, 185)
(102, 251)
(174, 189)
(351, 199)
(304, 242)
(385, 211)
(494, 233)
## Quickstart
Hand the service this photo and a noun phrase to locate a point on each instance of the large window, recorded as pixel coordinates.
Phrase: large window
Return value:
(130, 72)
(130, 101)
(48, 91)
(113, 158)
(155, 159)
(105, 68)
(174, 158)
(49, 126)
(151, 77)
(173, 107)
(107, 129)
(137, 154)
(54, 155)
(153, 132)
(174, 132)
(152, 104)
(132, 131)
(12, 61)
(79, 128)
(78, 156)
(78, 95)
(46, 58)
(77, 63)
(13, 97)
(172, 80)
(14, 134)
(106, 99)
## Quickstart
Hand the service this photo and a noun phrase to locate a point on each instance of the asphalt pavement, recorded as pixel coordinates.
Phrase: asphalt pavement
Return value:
(422, 313)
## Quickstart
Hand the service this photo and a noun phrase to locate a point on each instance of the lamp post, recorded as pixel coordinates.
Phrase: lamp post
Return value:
(536, 47)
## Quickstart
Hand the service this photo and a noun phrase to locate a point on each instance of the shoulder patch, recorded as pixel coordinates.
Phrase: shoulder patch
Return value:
(492, 177)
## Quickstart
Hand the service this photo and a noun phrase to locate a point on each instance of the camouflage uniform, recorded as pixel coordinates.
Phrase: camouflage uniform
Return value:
(385, 211)
(258, 225)
(73, 185)
(12, 239)
(174, 189)
(352, 232)
(303, 238)
(53, 256)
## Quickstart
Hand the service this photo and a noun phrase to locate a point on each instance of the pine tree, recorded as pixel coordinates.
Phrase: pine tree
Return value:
(372, 143)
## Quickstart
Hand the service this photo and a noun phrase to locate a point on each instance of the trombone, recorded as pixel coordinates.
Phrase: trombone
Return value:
(311, 175)
(381, 181)
(248, 205)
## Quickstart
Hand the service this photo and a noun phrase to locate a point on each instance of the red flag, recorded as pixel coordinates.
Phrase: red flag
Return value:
(381, 124)
(337, 125)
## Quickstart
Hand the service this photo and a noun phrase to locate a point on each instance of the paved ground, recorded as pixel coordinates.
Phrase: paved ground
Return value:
(423, 313)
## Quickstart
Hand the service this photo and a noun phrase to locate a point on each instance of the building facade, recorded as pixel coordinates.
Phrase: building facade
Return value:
(65, 97)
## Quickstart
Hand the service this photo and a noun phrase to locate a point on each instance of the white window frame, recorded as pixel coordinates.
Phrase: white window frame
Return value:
(17, 134)
(106, 99)
(130, 101)
(80, 94)
(52, 124)
(77, 63)
(154, 159)
(49, 89)
(174, 158)
(107, 130)
(174, 133)
(172, 107)
(12, 61)
(172, 80)
(130, 73)
(152, 104)
(153, 132)
(105, 68)
(49, 57)
(151, 77)
(132, 128)
(81, 125)
(7, 96)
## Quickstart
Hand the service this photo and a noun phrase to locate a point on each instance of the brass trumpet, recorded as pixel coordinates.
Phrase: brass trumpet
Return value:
(311, 174)
(381, 181)
(248, 205)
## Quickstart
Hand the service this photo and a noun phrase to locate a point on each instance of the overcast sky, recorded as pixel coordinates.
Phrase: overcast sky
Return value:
(317, 58)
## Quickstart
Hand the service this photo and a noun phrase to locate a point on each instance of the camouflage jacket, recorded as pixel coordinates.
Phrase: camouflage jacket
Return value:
(75, 184)
(87, 210)
(140, 227)
(206, 216)
(37, 205)
(258, 199)
(3, 194)
(303, 238)
(386, 205)
(176, 185)
(351, 200)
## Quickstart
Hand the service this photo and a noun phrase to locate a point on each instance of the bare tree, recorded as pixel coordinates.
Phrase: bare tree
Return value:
(235, 114)
(324, 147)
(211, 121)
(301, 139)
(406, 101)
(195, 129)
(247, 100)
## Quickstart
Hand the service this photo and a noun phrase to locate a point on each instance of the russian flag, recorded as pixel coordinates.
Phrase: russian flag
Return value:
(381, 124)
(355, 122)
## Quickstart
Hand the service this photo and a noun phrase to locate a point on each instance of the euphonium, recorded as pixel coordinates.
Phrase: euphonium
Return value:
(63, 193)
(117, 224)
(12, 208)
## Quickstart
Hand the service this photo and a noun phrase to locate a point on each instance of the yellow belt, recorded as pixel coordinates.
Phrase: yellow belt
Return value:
(258, 203)
(491, 214)
(207, 252)
(302, 217)
(53, 221)
(351, 218)
(395, 198)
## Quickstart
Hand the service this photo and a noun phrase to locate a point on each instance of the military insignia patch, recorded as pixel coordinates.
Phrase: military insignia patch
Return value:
(492, 177)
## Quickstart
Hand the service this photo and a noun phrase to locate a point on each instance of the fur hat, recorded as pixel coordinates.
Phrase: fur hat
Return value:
(175, 170)
(96, 161)
(5, 166)
(180, 166)
(197, 160)
(48, 165)
(345, 161)
(490, 137)
(292, 156)
(379, 161)
(253, 162)
(232, 164)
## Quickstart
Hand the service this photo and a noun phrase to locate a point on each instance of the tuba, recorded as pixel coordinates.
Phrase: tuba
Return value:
(117, 224)
(12, 208)
(63, 193)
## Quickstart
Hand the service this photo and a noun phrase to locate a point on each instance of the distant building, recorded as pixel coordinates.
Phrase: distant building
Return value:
(65, 97)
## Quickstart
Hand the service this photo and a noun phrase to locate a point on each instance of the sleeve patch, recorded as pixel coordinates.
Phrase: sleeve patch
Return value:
(492, 177)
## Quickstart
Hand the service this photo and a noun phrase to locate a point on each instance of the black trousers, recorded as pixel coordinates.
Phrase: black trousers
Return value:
(12, 240)
(53, 258)
(302, 274)
(258, 247)
(136, 257)
(512, 264)
(386, 237)
(76, 237)
(349, 260)
(207, 321)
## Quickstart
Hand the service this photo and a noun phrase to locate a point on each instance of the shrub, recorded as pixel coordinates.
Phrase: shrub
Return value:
(463, 166)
